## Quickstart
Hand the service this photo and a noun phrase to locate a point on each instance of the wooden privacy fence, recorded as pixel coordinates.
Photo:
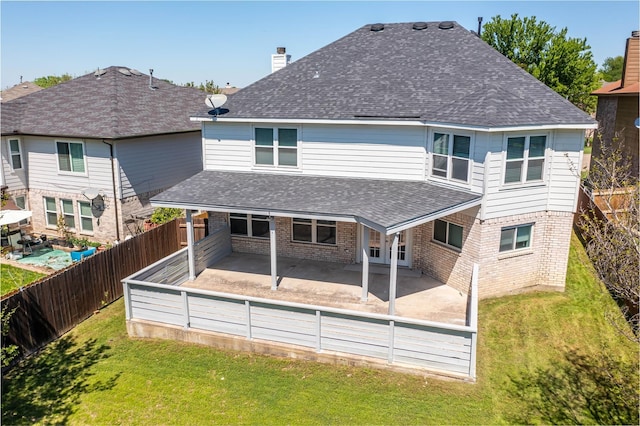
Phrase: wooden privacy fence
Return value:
(54, 305)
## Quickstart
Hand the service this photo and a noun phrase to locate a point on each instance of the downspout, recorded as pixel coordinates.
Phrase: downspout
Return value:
(115, 193)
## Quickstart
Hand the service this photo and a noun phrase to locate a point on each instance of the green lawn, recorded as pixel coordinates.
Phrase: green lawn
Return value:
(532, 349)
(12, 278)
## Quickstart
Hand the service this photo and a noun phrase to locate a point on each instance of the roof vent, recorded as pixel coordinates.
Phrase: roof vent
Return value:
(377, 27)
(445, 25)
(420, 26)
(124, 71)
(635, 33)
(135, 72)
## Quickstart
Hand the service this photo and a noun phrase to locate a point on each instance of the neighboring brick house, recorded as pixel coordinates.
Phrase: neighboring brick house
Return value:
(95, 148)
(618, 112)
(416, 139)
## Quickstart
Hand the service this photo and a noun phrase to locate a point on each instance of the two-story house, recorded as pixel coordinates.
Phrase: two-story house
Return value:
(417, 135)
(399, 148)
(95, 149)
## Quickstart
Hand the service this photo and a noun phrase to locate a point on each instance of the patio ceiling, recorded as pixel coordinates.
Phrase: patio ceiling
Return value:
(388, 206)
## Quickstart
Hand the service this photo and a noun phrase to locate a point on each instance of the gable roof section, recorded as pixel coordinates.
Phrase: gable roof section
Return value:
(110, 107)
(431, 75)
(386, 205)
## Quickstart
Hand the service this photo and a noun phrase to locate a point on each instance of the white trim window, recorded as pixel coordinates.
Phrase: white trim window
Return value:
(450, 159)
(249, 225)
(514, 238)
(66, 208)
(50, 211)
(71, 158)
(448, 233)
(15, 152)
(276, 147)
(524, 161)
(21, 202)
(86, 216)
(313, 231)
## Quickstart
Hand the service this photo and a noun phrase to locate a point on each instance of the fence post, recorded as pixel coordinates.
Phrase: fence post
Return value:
(185, 309)
(127, 300)
(247, 304)
(473, 320)
(318, 331)
(392, 332)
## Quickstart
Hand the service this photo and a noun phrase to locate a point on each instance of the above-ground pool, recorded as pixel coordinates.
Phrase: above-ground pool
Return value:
(48, 258)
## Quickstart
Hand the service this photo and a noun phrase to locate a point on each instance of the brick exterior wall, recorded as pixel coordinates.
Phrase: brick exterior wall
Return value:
(542, 266)
(343, 252)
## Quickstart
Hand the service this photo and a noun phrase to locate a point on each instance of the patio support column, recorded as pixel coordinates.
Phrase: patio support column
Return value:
(274, 257)
(393, 274)
(365, 264)
(191, 259)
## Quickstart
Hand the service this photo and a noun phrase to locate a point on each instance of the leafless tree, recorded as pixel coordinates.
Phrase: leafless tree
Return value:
(611, 229)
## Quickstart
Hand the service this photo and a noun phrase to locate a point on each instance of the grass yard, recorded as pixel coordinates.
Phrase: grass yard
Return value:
(533, 349)
(12, 278)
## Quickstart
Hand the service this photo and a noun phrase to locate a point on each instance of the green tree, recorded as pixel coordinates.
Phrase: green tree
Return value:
(52, 80)
(207, 87)
(612, 68)
(563, 63)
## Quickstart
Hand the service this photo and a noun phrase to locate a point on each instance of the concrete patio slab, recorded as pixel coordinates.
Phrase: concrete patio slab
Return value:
(336, 285)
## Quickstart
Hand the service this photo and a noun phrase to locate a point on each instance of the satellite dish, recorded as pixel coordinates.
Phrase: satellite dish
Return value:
(124, 71)
(91, 193)
(215, 101)
(100, 72)
(97, 206)
(637, 123)
(135, 72)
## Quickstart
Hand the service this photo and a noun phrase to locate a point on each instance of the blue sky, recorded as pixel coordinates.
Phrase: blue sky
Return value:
(233, 41)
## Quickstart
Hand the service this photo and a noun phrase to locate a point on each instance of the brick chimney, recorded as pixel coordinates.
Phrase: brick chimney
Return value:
(280, 59)
(631, 69)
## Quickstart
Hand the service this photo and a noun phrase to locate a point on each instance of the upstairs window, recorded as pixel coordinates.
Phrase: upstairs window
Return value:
(276, 147)
(525, 159)
(70, 157)
(15, 151)
(451, 156)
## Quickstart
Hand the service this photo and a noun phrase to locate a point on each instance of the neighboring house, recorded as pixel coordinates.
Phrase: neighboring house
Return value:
(95, 148)
(413, 146)
(18, 91)
(617, 111)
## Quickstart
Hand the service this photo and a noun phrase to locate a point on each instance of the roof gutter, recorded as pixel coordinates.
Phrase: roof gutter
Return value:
(486, 129)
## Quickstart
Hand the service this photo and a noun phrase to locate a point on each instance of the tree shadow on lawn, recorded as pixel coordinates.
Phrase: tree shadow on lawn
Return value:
(47, 386)
(581, 389)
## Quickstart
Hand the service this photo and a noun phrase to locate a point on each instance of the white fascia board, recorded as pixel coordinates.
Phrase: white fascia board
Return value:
(424, 219)
(262, 212)
(534, 127)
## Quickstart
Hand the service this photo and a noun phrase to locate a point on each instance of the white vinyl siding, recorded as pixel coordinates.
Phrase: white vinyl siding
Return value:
(382, 152)
(71, 157)
(50, 211)
(86, 217)
(15, 153)
(157, 162)
(557, 191)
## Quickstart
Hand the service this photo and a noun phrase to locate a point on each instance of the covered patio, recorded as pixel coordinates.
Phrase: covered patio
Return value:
(336, 285)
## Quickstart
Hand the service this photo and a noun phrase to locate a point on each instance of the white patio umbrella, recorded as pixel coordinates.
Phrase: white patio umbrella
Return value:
(13, 216)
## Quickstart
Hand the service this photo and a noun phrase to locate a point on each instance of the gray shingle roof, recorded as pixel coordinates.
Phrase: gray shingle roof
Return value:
(432, 75)
(386, 203)
(19, 90)
(113, 106)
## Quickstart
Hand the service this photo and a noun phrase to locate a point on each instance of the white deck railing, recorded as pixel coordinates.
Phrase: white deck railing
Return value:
(403, 341)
